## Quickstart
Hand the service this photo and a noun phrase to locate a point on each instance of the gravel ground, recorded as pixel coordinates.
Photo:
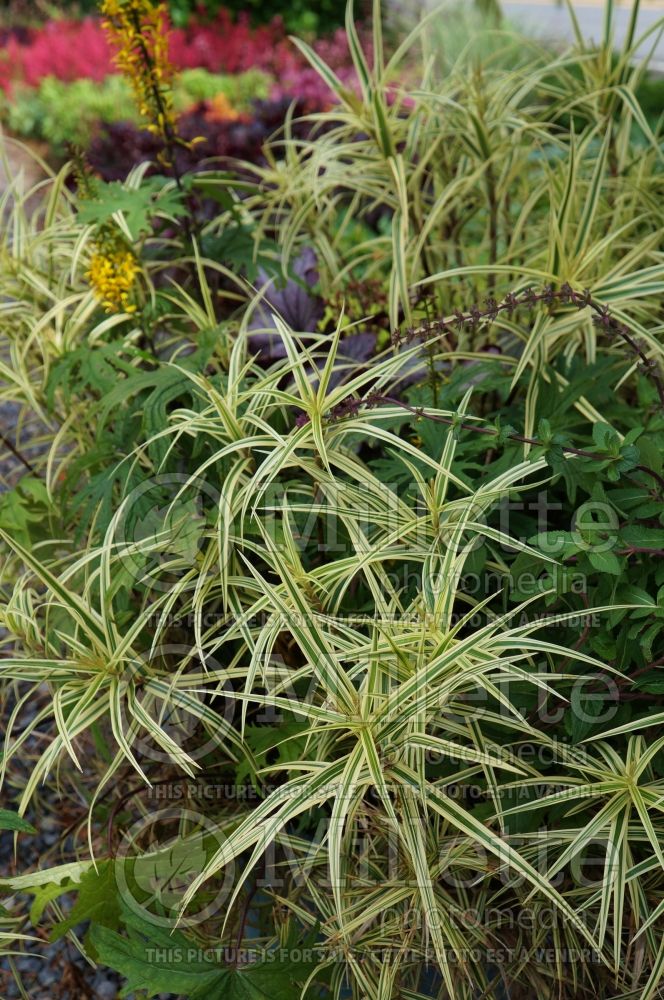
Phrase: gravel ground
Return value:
(22, 438)
(54, 971)
(50, 971)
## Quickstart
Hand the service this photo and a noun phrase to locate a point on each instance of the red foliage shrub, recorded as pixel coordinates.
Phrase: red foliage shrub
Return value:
(296, 77)
(71, 50)
(68, 50)
(119, 146)
(228, 45)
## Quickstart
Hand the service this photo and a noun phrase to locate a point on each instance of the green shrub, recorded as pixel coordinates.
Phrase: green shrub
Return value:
(63, 113)
(300, 15)
(240, 89)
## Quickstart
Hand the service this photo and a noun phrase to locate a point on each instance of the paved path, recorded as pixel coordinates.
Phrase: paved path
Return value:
(551, 20)
(15, 164)
(17, 161)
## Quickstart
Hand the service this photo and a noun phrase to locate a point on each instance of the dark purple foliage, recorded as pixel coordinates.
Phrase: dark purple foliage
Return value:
(359, 346)
(295, 303)
(119, 146)
(353, 352)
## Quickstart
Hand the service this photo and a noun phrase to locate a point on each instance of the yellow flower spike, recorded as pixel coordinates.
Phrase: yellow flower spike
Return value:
(112, 275)
(137, 31)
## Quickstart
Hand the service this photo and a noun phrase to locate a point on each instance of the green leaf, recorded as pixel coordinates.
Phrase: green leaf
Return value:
(605, 437)
(286, 740)
(236, 245)
(26, 511)
(605, 562)
(559, 544)
(157, 960)
(580, 718)
(137, 205)
(163, 874)
(134, 957)
(12, 821)
(97, 901)
(47, 884)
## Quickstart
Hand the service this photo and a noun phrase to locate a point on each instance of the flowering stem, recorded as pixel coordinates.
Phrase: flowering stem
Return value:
(136, 28)
(168, 133)
(565, 295)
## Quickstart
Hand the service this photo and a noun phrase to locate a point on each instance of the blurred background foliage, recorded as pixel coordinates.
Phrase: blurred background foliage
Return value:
(298, 15)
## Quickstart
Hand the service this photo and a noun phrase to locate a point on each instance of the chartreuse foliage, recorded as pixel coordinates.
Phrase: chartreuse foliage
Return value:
(346, 661)
(63, 112)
